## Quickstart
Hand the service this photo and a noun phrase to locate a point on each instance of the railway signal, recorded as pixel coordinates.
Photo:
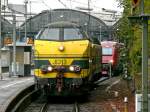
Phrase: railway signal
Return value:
(135, 3)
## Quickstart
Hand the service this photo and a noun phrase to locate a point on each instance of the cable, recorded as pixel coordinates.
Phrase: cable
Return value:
(70, 4)
(45, 4)
(63, 3)
(84, 4)
(78, 2)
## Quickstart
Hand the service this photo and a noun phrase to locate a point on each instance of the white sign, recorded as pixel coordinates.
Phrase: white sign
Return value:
(138, 101)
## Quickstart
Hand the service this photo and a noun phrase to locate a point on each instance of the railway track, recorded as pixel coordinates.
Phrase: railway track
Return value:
(60, 107)
(37, 105)
(46, 107)
(31, 100)
(43, 104)
(59, 104)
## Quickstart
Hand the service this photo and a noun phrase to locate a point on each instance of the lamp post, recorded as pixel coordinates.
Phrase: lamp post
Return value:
(100, 35)
(145, 65)
(14, 45)
(144, 19)
(109, 70)
(0, 44)
(26, 2)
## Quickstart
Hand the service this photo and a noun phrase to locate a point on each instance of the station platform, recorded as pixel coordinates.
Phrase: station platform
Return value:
(11, 86)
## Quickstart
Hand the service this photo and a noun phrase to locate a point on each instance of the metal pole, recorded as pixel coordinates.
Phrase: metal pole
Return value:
(25, 19)
(89, 17)
(144, 59)
(100, 33)
(14, 45)
(110, 69)
(142, 7)
(0, 44)
(145, 64)
(125, 104)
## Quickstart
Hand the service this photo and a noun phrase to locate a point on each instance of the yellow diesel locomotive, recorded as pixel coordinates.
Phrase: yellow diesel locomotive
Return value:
(66, 60)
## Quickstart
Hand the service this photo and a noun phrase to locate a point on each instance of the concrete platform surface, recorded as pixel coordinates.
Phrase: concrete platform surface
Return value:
(11, 86)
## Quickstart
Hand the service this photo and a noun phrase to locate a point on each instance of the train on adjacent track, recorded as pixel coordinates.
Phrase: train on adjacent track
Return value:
(66, 59)
(111, 58)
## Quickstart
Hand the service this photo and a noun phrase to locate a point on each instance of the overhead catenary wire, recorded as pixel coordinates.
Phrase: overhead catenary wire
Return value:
(85, 4)
(63, 3)
(46, 4)
(70, 4)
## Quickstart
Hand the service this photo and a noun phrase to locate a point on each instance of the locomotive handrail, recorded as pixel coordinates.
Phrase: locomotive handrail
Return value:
(35, 57)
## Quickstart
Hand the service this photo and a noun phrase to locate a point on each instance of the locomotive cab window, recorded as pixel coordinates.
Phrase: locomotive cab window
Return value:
(107, 51)
(49, 34)
(72, 34)
(61, 34)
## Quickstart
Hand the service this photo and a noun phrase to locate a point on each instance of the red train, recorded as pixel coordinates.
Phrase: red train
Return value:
(110, 58)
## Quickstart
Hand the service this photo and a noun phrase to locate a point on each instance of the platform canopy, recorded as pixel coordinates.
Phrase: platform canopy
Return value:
(6, 26)
(90, 23)
(7, 29)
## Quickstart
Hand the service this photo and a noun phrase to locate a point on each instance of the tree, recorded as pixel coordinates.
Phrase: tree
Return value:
(131, 35)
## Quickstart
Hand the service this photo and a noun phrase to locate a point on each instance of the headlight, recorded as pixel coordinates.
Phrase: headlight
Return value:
(71, 68)
(111, 61)
(61, 48)
(49, 68)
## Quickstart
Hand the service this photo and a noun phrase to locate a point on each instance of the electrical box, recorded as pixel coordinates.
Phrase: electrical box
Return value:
(5, 59)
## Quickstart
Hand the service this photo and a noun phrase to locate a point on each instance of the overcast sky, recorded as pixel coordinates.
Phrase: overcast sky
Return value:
(39, 5)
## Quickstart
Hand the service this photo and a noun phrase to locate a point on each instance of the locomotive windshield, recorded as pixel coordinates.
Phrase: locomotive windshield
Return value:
(60, 34)
(72, 33)
(107, 51)
(50, 33)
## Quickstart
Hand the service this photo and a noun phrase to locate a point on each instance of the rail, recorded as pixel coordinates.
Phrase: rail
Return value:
(44, 108)
(52, 108)
(76, 107)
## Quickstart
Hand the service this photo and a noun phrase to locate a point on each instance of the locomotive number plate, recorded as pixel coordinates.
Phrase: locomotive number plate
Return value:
(60, 62)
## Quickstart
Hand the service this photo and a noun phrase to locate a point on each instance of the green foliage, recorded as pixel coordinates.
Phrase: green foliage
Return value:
(147, 6)
(135, 51)
(131, 35)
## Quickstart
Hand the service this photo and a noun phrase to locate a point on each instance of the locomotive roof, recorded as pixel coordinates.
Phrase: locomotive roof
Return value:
(62, 24)
(108, 43)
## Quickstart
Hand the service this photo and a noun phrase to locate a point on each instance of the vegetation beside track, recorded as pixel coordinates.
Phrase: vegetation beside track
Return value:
(131, 35)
